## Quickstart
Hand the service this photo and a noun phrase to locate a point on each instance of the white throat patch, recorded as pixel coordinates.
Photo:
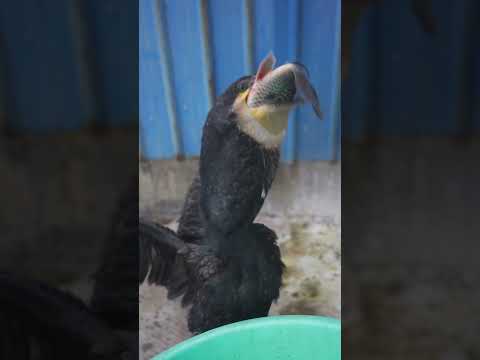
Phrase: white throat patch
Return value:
(250, 126)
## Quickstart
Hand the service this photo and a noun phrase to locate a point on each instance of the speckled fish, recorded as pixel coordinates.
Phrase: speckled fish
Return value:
(287, 84)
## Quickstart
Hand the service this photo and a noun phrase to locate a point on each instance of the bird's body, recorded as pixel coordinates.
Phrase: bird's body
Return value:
(236, 171)
(227, 268)
(115, 293)
(224, 265)
(219, 289)
(38, 322)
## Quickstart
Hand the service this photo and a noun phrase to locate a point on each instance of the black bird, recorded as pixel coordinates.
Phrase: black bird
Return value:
(220, 289)
(224, 265)
(240, 151)
(240, 146)
(115, 293)
(38, 322)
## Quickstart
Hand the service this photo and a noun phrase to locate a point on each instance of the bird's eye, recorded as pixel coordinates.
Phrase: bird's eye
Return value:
(242, 86)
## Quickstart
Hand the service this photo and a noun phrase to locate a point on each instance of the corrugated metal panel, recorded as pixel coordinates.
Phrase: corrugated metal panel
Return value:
(404, 82)
(190, 51)
(63, 63)
(113, 34)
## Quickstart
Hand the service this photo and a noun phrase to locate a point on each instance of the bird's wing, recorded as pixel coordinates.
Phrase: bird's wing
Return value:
(158, 249)
(115, 293)
(54, 314)
(168, 261)
(243, 287)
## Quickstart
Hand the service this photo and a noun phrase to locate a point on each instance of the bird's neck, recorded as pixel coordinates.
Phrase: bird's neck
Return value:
(274, 122)
(263, 124)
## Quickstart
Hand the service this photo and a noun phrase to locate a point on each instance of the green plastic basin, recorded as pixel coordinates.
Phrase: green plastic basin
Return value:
(289, 337)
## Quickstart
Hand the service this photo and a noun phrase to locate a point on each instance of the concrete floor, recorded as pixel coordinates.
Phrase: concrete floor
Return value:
(302, 208)
(409, 272)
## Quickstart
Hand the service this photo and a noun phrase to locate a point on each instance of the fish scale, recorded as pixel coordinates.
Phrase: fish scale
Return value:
(274, 89)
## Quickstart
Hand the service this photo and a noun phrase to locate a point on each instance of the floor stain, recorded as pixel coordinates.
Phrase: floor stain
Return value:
(298, 307)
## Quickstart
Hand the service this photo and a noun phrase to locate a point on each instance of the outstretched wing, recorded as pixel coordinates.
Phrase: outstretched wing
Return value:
(52, 319)
(168, 261)
(158, 248)
(115, 293)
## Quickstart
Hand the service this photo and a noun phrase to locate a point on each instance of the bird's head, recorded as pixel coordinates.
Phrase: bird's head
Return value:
(274, 92)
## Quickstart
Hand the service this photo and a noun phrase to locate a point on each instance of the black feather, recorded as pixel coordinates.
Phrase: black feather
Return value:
(246, 285)
(40, 321)
(159, 246)
(115, 295)
(220, 262)
(235, 171)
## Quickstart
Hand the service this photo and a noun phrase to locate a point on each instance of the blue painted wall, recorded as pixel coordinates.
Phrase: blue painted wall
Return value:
(191, 50)
(403, 82)
(66, 64)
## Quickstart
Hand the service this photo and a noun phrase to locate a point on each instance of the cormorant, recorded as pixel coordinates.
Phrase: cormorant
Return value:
(115, 293)
(241, 149)
(241, 146)
(221, 289)
(38, 322)
(225, 266)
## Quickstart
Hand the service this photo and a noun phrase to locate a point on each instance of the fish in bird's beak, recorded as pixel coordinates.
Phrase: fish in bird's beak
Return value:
(287, 85)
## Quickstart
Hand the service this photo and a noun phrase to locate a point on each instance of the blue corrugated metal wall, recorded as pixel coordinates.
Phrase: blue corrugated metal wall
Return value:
(404, 82)
(191, 50)
(63, 61)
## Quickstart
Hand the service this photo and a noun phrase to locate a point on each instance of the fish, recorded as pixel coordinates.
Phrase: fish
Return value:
(286, 84)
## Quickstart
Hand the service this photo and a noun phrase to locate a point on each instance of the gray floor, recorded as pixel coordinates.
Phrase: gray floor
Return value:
(410, 224)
